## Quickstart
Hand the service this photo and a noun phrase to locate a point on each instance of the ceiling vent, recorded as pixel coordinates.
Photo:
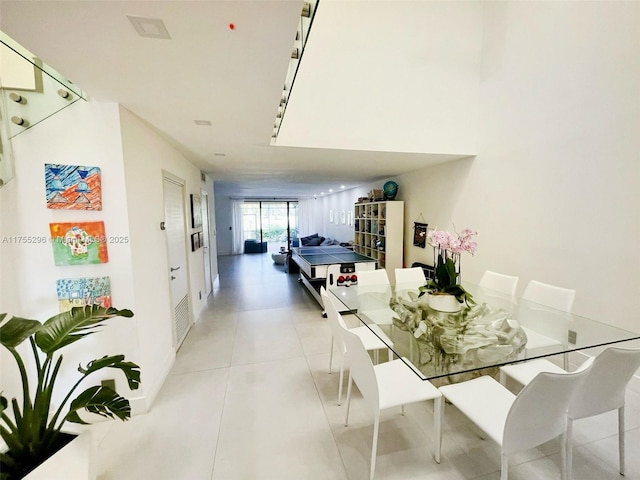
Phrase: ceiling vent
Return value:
(149, 27)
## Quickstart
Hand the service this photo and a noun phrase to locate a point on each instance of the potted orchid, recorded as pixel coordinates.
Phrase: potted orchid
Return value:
(446, 293)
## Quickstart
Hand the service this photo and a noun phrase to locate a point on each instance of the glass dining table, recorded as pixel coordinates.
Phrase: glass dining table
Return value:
(496, 330)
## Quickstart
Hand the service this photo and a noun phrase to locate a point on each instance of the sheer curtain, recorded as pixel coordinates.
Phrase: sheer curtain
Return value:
(304, 218)
(236, 227)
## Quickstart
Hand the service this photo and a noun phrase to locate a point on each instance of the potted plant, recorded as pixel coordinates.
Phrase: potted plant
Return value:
(446, 293)
(33, 432)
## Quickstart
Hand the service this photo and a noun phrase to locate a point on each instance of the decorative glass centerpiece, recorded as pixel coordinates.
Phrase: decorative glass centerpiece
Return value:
(463, 336)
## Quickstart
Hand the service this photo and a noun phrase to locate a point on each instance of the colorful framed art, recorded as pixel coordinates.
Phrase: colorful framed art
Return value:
(73, 187)
(79, 292)
(78, 243)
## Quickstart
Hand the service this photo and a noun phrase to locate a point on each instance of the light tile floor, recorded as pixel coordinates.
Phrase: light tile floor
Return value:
(250, 398)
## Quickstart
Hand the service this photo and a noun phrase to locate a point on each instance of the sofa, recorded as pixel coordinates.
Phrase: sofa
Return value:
(254, 246)
(316, 240)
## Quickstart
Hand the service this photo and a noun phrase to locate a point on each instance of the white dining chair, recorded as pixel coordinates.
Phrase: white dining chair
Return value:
(374, 296)
(371, 341)
(557, 298)
(387, 385)
(409, 280)
(499, 282)
(519, 422)
(602, 391)
(372, 277)
(410, 276)
(499, 290)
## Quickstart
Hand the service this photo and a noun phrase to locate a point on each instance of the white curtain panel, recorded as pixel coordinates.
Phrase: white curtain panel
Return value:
(236, 227)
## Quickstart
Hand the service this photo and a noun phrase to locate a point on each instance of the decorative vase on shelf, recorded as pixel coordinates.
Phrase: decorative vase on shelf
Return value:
(444, 302)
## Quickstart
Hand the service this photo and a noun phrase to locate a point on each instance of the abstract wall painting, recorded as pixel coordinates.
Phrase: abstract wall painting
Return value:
(73, 187)
(79, 292)
(78, 243)
(196, 211)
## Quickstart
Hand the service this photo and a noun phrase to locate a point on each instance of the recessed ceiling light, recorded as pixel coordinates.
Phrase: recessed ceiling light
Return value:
(341, 186)
(202, 122)
(150, 27)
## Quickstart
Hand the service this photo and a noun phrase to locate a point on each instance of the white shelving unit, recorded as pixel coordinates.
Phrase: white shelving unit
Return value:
(379, 233)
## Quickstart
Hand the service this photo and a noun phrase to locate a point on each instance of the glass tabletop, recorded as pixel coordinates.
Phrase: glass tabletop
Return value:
(455, 346)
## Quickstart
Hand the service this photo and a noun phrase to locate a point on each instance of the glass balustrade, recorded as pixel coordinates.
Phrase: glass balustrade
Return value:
(30, 92)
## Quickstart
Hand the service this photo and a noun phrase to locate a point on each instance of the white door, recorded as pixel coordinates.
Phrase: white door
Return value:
(205, 244)
(176, 235)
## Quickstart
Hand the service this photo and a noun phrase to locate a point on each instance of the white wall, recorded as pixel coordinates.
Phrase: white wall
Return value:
(554, 189)
(208, 186)
(318, 210)
(146, 156)
(397, 76)
(224, 238)
(131, 157)
(83, 134)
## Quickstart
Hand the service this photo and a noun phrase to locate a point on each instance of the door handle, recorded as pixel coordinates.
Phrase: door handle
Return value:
(174, 269)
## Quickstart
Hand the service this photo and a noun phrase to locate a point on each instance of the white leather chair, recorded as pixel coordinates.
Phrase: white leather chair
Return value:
(557, 298)
(536, 415)
(409, 280)
(369, 339)
(410, 276)
(602, 391)
(387, 385)
(499, 282)
(374, 295)
(500, 289)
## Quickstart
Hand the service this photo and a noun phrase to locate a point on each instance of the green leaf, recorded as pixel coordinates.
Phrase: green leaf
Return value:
(17, 330)
(130, 369)
(69, 327)
(103, 401)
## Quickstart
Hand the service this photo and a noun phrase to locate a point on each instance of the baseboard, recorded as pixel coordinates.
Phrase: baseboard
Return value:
(142, 404)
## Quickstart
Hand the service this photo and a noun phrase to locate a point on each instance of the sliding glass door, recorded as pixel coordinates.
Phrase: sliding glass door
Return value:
(273, 222)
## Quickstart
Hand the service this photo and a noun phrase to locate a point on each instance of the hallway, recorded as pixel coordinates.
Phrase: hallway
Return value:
(249, 398)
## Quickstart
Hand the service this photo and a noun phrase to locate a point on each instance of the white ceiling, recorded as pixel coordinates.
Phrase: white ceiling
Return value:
(205, 71)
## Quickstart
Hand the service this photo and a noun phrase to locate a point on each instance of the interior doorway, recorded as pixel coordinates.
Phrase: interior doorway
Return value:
(208, 283)
(176, 236)
(273, 222)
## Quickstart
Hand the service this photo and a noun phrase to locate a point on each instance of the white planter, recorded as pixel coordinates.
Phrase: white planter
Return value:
(443, 302)
(70, 463)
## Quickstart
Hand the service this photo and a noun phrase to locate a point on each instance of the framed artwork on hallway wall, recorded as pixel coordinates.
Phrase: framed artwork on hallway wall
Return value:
(195, 241)
(196, 211)
(79, 292)
(73, 187)
(78, 243)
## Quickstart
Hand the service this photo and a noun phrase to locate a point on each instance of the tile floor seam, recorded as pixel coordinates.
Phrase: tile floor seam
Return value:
(224, 401)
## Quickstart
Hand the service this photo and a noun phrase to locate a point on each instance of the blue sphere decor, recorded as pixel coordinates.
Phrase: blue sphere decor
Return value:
(390, 190)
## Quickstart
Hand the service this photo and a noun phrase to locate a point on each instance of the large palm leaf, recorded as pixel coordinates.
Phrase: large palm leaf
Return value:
(69, 327)
(16, 330)
(103, 401)
(130, 369)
